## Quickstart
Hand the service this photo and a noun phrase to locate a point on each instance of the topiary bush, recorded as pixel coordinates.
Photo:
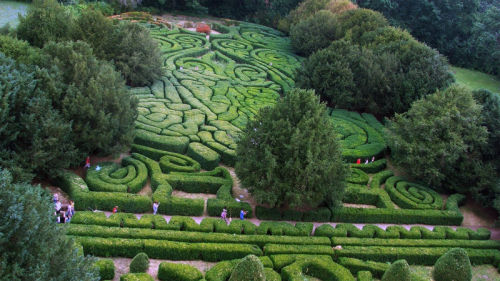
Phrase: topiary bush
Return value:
(249, 269)
(453, 266)
(178, 272)
(140, 263)
(398, 271)
(106, 269)
(315, 33)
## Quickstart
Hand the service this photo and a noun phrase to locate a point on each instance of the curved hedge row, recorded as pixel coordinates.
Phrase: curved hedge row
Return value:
(113, 178)
(411, 195)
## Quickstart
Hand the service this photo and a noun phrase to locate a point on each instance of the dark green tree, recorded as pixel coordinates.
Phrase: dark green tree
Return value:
(34, 137)
(45, 21)
(439, 140)
(95, 99)
(289, 154)
(32, 246)
(19, 50)
(484, 42)
(315, 33)
(355, 23)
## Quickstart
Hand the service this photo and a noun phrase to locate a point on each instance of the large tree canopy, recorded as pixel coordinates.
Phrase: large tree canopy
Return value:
(439, 140)
(32, 246)
(289, 154)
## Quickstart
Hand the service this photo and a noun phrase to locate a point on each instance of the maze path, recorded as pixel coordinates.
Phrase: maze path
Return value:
(211, 88)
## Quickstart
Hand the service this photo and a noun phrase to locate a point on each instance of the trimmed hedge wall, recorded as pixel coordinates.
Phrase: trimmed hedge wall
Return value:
(178, 272)
(319, 268)
(430, 243)
(414, 255)
(275, 249)
(160, 249)
(356, 266)
(207, 158)
(372, 167)
(136, 277)
(190, 237)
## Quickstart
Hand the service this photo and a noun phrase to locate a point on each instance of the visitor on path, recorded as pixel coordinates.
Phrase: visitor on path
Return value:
(62, 218)
(358, 161)
(58, 207)
(223, 215)
(242, 214)
(55, 198)
(156, 204)
(373, 159)
(366, 162)
(115, 210)
(68, 213)
(87, 162)
(72, 205)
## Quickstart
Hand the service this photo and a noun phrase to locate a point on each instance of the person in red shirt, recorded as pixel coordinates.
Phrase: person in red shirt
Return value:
(87, 162)
(115, 209)
(358, 161)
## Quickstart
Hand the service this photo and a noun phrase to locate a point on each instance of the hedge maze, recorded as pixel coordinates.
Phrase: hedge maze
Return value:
(187, 125)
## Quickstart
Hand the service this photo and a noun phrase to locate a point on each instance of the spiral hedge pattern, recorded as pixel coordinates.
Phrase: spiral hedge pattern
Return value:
(111, 177)
(410, 195)
(211, 88)
(361, 136)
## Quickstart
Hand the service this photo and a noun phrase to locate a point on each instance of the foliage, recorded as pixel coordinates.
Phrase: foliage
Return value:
(250, 268)
(439, 139)
(140, 263)
(355, 23)
(106, 268)
(181, 272)
(454, 265)
(34, 136)
(398, 271)
(315, 33)
(19, 50)
(95, 99)
(32, 246)
(45, 21)
(484, 47)
(381, 79)
(289, 154)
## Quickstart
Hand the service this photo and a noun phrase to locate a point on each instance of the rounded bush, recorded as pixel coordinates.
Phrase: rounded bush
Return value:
(106, 269)
(398, 271)
(454, 265)
(249, 269)
(140, 263)
(315, 33)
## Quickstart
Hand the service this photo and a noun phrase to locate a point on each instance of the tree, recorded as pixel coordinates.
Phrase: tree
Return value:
(19, 50)
(45, 21)
(95, 99)
(398, 271)
(32, 246)
(355, 23)
(315, 33)
(454, 265)
(381, 77)
(438, 140)
(250, 268)
(484, 42)
(290, 155)
(34, 137)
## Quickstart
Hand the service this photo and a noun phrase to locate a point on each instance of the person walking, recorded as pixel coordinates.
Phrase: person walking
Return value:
(223, 215)
(242, 214)
(87, 162)
(115, 210)
(156, 204)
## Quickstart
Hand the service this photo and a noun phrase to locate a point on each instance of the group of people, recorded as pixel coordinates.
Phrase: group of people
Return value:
(63, 213)
(224, 215)
(366, 161)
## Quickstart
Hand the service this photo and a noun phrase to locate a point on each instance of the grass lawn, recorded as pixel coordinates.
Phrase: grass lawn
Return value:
(476, 79)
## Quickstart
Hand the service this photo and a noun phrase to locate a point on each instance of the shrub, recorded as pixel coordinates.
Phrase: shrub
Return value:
(398, 271)
(274, 168)
(19, 50)
(136, 277)
(315, 33)
(106, 269)
(249, 269)
(453, 265)
(140, 263)
(319, 268)
(358, 266)
(178, 272)
(355, 23)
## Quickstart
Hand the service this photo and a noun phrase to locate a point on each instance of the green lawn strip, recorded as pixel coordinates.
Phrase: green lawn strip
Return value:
(476, 80)
(192, 237)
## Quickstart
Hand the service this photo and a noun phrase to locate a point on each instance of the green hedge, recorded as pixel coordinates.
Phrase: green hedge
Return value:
(358, 176)
(178, 272)
(215, 206)
(84, 199)
(430, 243)
(271, 275)
(416, 232)
(372, 167)
(207, 158)
(319, 268)
(136, 277)
(411, 195)
(284, 228)
(276, 249)
(161, 249)
(221, 271)
(364, 276)
(356, 266)
(169, 161)
(414, 255)
(140, 263)
(169, 143)
(321, 214)
(379, 178)
(190, 237)
(106, 269)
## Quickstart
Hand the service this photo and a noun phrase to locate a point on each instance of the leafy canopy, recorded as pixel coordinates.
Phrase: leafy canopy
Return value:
(439, 139)
(290, 154)
(32, 246)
